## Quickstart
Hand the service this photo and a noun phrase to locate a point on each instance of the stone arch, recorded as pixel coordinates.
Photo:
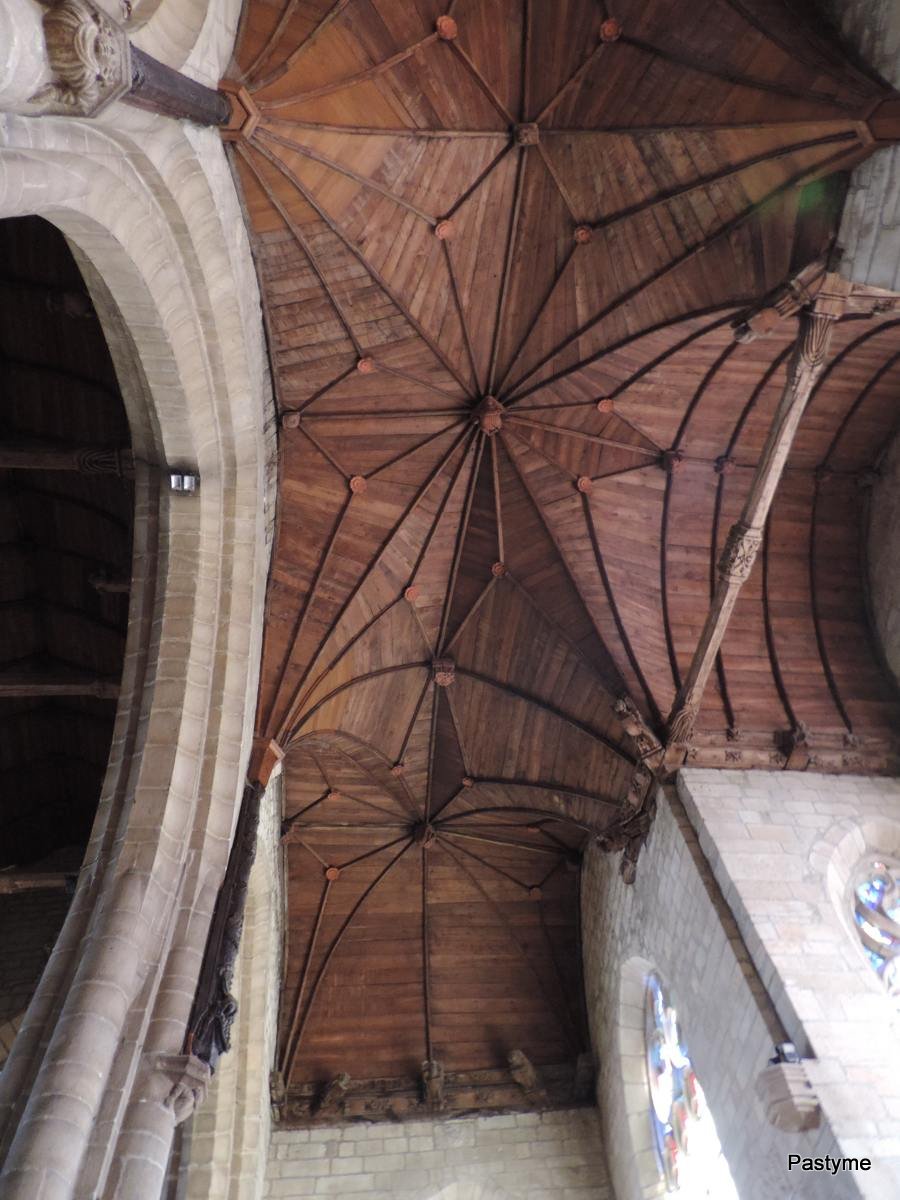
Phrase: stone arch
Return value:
(155, 226)
(472, 1191)
(193, 36)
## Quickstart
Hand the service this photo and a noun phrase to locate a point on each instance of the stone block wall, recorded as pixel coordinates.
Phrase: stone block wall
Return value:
(783, 847)
(526, 1156)
(674, 920)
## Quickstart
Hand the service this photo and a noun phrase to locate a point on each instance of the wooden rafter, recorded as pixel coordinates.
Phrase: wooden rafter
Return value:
(806, 364)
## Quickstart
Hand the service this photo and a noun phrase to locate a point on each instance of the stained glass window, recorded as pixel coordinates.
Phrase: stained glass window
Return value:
(876, 911)
(687, 1147)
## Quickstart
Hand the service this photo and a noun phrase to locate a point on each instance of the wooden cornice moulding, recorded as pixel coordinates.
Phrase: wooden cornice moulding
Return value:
(830, 751)
(560, 1085)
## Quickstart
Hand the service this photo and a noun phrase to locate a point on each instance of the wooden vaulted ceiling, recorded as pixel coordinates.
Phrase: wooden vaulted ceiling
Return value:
(502, 247)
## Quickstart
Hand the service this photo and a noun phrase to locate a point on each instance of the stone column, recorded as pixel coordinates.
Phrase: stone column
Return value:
(52, 1137)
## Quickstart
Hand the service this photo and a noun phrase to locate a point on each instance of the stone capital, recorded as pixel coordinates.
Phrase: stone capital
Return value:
(89, 60)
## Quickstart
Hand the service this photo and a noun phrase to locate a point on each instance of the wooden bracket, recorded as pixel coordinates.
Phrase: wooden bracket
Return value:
(330, 1102)
(794, 745)
(433, 1084)
(523, 1072)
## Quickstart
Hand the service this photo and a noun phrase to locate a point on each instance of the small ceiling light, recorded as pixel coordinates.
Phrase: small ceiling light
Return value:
(184, 481)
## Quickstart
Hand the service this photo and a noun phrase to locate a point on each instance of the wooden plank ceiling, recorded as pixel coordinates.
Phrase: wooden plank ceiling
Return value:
(502, 244)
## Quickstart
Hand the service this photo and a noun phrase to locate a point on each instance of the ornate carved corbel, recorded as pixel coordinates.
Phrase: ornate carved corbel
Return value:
(90, 58)
(635, 727)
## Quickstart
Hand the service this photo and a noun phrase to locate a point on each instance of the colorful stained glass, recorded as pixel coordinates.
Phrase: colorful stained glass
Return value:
(688, 1151)
(876, 912)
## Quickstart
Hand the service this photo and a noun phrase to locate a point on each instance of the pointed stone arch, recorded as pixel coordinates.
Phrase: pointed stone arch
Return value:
(155, 227)
(462, 1190)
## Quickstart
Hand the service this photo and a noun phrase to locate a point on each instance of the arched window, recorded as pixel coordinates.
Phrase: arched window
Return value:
(688, 1152)
(875, 904)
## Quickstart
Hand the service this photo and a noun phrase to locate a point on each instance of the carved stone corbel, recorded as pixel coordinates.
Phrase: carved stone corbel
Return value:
(788, 1098)
(181, 1082)
(90, 58)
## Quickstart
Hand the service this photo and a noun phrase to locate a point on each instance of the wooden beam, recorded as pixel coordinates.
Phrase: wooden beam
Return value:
(35, 455)
(19, 684)
(12, 882)
(161, 89)
(102, 581)
(745, 537)
(566, 1085)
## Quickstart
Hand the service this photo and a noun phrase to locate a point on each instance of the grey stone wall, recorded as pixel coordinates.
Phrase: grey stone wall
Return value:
(673, 919)
(554, 1156)
(870, 230)
(783, 847)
